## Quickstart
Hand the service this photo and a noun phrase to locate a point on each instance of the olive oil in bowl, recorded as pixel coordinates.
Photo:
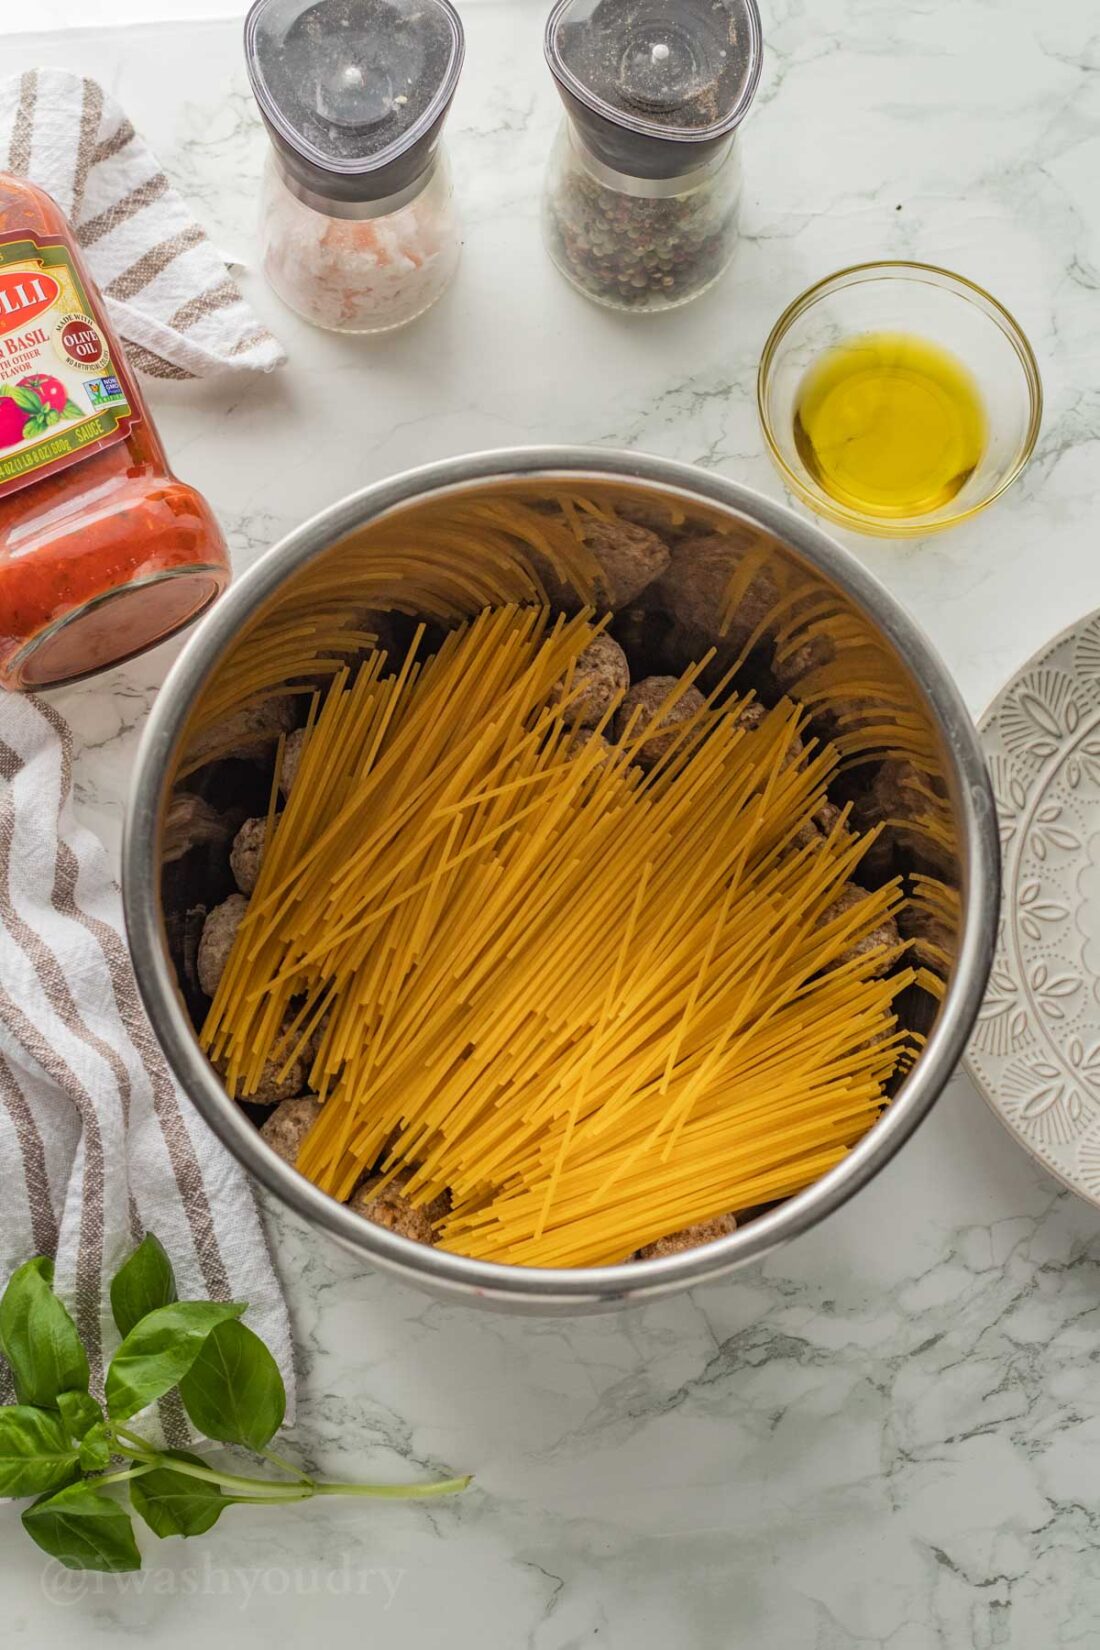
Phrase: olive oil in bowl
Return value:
(889, 424)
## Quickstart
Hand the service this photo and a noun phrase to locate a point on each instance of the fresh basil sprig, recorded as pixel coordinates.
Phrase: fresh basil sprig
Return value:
(57, 1442)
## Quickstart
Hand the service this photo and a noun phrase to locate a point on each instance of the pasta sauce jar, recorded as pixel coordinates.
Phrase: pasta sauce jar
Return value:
(102, 551)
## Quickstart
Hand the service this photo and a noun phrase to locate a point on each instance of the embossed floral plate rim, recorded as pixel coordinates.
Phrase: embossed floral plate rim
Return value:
(1035, 1052)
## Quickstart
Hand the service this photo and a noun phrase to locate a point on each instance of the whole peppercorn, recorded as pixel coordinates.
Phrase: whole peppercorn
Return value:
(632, 249)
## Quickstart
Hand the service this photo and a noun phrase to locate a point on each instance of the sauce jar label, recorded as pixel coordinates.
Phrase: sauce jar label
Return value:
(61, 394)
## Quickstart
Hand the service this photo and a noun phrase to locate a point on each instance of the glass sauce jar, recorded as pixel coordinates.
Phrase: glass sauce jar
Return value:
(102, 551)
(358, 221)
(643, 188)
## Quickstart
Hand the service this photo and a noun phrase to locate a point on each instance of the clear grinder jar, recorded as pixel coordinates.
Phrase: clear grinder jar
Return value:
(358, 222)
(643, 187)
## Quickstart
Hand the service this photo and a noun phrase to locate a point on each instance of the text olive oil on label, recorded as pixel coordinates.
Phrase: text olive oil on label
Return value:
(890, 425)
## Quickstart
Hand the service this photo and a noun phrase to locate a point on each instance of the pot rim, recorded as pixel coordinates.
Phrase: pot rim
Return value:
(491, 1282)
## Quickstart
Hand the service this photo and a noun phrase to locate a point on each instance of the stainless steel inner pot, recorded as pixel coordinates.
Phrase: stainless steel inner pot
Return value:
(803, 566)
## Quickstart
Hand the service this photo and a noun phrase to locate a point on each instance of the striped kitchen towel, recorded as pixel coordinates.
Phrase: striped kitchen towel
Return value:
(97, 1144)
(166, 289)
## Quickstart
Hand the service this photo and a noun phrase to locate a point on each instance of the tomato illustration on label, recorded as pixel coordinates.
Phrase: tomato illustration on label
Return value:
(30, 407)
(61, 394)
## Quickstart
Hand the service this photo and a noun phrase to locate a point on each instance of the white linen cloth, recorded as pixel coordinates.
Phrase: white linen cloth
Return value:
(97, 1143)
(166, 290)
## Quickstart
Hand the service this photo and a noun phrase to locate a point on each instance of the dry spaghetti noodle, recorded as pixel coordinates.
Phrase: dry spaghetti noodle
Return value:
(591, 1002)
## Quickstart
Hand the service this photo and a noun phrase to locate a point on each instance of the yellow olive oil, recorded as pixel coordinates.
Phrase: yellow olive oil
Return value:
(889, 425)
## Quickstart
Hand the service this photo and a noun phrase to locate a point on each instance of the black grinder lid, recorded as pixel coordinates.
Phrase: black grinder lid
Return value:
(655, 88)
(354, 93)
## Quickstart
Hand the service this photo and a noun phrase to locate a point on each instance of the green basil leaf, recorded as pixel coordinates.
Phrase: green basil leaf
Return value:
(85, 1529)
(171, 1503)
(71, 409)
(79, 1411)
(38, 1337)
(95, 1448)
(141, 1284)
(53, 416)
(35, 1453)
(233, 1391)
(159, 1350)
(26, 398)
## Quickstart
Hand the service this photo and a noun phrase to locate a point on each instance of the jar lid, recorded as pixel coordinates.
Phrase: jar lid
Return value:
(655, 89)
(354, 93)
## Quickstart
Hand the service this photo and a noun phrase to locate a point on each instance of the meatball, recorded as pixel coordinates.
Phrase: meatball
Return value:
(288, 1126)
(273, 1090)
(630, 558)
(827, 817)
(658, 514)
(707, 1231)
(600, 677)
(918, 817)
(930, 938)
(753, 716)
(586, 736)
(247, 852)
(292, 759)
(885, 935)
(246, 733)
(642, 704)
(391, 1208)
(218, 933)
(820, 826)
(698, 588)
(190, 823)
(790, 668)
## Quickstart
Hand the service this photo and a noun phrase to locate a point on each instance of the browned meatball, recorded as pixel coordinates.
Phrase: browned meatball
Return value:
(820, 826)
(391, 1209)
(247, 852)
(753, 715)
(600, 676)
(930, 938)
(917, 813)
(698, 588)
(247, 733)
(630, 558)
(885, 935)
(642, 704)
(707, 1231)
(190, 823)
(219, 932)
(272, 1089)
(292, 758)
(585, 736)
(790, 668)
(288, 1126)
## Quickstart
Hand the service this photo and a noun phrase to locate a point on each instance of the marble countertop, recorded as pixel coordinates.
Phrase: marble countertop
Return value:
(888, 1434)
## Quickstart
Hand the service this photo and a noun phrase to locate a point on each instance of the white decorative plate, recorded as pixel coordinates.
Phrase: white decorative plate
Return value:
(1035, 1053)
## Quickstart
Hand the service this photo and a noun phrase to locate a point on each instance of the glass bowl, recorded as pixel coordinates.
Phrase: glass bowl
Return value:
(922, 302)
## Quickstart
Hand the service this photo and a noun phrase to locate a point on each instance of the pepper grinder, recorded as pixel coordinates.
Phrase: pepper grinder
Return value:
(358, 222)
(643, 186)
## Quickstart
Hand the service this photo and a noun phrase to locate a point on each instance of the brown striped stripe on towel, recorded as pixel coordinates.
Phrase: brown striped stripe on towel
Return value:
(152, 260)
(97, 1144)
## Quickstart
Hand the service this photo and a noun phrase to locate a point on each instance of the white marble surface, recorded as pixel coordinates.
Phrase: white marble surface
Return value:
(888, 1435)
